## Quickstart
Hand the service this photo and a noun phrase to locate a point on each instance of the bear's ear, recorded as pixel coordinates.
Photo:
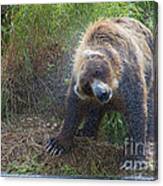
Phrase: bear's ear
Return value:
(89, 54)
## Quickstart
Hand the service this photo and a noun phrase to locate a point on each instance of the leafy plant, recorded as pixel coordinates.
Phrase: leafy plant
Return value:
(114, 128)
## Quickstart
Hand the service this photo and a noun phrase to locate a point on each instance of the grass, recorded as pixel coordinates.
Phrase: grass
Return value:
(23, 152)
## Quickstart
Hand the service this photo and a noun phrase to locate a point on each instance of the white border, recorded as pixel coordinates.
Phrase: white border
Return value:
(79, 182)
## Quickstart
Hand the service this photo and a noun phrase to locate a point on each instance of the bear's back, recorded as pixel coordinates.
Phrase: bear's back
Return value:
(118, 32)
(137, 29)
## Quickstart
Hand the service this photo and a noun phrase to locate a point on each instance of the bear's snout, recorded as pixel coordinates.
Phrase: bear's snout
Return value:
(101, 91)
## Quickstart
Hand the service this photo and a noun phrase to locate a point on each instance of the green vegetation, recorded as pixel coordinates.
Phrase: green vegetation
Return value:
(68, 170)
(113, 128)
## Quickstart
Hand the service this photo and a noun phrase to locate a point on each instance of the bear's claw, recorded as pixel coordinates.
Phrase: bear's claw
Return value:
(53, 148)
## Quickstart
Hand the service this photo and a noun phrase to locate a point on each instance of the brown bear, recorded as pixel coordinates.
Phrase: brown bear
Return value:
(113, 71)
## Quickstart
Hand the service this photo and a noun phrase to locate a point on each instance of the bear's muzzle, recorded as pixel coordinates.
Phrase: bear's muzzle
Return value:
(101, 91)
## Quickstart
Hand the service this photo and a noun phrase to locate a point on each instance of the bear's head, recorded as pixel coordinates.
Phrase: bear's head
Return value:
(96, 78)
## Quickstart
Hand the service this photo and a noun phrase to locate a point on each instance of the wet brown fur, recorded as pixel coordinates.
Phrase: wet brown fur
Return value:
(125, 47)
(119, 36)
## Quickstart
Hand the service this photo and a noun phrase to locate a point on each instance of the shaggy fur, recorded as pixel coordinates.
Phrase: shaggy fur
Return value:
(123, 49)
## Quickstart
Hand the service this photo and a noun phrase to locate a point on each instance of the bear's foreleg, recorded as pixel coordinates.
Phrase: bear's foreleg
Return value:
(63, 142)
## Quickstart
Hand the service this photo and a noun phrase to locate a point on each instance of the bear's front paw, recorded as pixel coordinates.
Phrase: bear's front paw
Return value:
(56, 148)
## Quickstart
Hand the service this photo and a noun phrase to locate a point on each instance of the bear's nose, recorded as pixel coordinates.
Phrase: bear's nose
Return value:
(102, 91)
(104, 96)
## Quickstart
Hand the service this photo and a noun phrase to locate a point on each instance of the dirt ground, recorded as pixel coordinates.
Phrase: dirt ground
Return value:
(23, 152)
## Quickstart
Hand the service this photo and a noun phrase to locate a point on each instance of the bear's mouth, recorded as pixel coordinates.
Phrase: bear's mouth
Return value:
(78, 93)
(101, 91)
